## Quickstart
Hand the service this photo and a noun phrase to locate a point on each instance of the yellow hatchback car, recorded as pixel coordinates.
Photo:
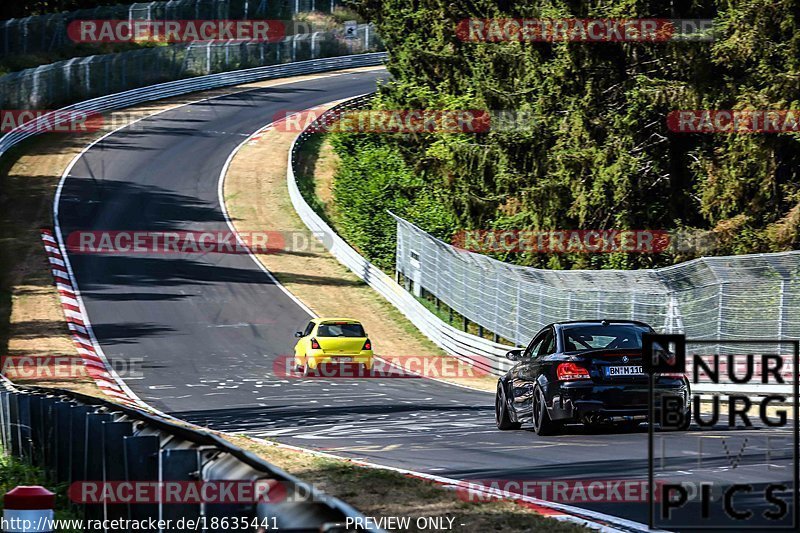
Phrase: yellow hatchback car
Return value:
(332, 340)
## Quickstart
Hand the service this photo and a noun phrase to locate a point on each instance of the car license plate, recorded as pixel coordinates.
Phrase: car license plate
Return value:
(612, 371)
(343, 359)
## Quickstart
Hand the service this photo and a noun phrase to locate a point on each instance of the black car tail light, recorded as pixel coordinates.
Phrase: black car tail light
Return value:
(571, 372)
(314, 344)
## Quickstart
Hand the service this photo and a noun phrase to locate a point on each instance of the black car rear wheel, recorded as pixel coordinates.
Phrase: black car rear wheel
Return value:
(501, 415)
(542, 424)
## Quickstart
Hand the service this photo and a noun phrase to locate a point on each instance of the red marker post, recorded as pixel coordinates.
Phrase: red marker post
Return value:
(28, 509)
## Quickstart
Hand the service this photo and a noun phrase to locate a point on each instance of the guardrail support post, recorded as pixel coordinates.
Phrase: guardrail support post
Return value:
(94, 458)
(13, 424)
(47, 435)
(4, 421)
(77, 431)
(36, 440)
(62, 441)
(141, 464)
(24, 425)
(114, 434)
(180, 465)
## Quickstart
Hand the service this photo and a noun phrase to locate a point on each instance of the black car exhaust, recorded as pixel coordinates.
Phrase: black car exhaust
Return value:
(595, 419)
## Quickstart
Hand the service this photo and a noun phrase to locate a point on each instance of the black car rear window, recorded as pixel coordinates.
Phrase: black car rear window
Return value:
(581, 338)
(340, 330)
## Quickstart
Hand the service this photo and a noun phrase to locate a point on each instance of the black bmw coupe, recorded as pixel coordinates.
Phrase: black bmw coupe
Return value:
(586, 372)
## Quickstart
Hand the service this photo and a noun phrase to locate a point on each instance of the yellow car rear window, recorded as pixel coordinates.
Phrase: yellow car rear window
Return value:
(341, 329)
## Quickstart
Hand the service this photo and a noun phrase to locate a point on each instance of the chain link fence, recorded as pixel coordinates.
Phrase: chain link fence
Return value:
(49, 32)
(738, 297)
(77, 79)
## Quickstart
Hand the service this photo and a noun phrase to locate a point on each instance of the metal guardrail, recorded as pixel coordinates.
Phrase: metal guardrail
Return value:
(483, 354)
(79, 438)
(180, 87)
(49, 32)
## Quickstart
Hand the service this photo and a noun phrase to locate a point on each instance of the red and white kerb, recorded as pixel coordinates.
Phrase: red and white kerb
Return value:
(95, 365)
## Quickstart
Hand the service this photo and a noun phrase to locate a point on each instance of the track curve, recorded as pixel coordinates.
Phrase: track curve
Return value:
(204, 330)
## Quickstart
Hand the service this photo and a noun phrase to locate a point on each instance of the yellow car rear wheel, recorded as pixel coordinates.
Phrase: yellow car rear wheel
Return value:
(307, 370)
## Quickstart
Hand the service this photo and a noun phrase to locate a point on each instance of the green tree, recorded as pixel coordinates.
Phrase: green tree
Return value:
(597, 152)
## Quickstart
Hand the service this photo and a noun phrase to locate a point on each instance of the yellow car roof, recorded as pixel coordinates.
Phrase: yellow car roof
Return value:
(320, 320)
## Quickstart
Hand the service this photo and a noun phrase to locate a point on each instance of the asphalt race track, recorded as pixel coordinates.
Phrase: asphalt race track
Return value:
(205, 330)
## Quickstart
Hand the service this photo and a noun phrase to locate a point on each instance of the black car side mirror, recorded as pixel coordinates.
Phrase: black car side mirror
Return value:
(514, 355)
(298, 334)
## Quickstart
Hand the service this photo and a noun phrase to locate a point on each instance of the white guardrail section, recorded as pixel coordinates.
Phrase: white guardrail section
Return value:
(180, 87)
(481, 353)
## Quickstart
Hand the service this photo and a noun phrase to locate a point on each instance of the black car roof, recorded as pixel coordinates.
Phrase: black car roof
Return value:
(597, 322)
